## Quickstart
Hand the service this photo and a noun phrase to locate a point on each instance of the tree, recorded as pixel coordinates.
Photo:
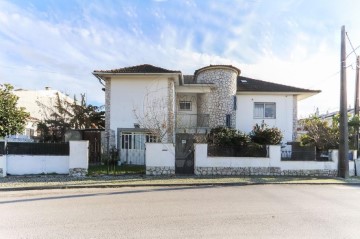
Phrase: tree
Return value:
(12, 118)
(86, 116)
(325, 135)
(65, 115)
(156, 118)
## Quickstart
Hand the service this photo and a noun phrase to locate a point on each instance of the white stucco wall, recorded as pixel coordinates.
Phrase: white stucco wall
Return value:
(136, 93)
(79, 154)
(202, 160)
(284, 113)
(37, 164)
(160, 155)
(3, 165)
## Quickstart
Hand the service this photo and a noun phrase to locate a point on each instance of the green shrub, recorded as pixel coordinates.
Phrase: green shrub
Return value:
(223, 136)
(262, 134)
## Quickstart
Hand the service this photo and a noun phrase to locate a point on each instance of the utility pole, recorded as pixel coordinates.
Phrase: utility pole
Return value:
(356, 105)
(343, 169)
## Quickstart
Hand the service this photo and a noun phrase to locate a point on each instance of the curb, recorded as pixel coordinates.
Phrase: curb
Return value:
(166, 185)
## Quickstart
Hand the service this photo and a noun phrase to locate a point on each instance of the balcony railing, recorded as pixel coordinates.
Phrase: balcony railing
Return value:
(190, 121)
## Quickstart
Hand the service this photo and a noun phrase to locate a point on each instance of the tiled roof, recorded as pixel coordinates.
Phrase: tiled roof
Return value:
(249, 84)
(146, 68)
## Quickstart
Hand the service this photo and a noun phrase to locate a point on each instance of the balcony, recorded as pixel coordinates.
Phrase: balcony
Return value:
(192, 121)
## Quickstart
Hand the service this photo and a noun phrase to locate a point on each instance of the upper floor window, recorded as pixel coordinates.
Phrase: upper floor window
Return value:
(263, 110)
(185, 105)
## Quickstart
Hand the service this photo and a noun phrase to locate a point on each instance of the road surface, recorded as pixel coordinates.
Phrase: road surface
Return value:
(257, 211)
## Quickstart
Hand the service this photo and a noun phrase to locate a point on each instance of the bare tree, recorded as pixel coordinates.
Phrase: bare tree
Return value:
(156, 117)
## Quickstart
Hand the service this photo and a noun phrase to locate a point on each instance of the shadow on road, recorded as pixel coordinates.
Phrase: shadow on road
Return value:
(105, 194)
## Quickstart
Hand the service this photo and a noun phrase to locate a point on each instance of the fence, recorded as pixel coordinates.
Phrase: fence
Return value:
(21, 148)
(270, 165)
(250, 150)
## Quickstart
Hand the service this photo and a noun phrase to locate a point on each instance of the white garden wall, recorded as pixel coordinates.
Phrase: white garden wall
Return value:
(160, 159)
(2, 165)
(74, 164)
(271, 165)
(37, 164)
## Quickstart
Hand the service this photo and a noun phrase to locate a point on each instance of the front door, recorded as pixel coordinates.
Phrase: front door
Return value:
(184, 154)
(132, 150)
(132, 147)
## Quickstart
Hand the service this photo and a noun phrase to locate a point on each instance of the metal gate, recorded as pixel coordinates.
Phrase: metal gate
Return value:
(132, 147)
(184, 154)
(94, 138)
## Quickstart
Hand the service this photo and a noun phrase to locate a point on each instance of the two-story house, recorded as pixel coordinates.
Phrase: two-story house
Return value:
(145, 101)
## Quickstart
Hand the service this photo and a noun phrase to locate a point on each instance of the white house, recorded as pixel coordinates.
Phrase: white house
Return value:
(40, 104)
(178, 104)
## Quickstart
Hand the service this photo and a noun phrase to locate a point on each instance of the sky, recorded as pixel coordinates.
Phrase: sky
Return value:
(59, 43)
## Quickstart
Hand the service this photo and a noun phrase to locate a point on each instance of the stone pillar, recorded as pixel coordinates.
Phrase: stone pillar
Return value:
(295, 120)
(107, 141)
(171, 111)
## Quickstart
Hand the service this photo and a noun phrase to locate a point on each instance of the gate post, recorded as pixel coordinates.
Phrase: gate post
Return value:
(78, 158)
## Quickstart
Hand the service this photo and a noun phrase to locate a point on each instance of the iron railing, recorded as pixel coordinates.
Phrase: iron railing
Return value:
(250, 150)
(21, 148)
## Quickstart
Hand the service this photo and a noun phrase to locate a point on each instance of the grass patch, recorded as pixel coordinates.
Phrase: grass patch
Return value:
(95, 170)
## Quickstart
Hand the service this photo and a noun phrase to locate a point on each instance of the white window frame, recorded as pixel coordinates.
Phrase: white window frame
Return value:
(262, 114)
(184, 102)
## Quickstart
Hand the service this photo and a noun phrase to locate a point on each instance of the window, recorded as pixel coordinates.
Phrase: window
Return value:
(235, 106)
(264, 110)
(228, 121)
(185, 105)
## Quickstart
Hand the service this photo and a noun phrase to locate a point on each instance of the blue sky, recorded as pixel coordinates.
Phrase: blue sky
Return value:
(58, 43)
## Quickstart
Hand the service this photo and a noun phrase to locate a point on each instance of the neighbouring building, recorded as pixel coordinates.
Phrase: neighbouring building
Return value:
(40, 104)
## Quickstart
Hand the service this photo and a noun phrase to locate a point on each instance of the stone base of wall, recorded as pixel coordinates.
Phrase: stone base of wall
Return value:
(262, 171)
(155, 171)
(1, 172)
(78, 172)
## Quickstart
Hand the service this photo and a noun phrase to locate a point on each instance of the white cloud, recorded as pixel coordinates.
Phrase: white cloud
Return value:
(266, 40)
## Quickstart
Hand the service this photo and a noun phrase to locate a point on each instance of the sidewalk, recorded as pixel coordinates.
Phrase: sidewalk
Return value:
(12, 183)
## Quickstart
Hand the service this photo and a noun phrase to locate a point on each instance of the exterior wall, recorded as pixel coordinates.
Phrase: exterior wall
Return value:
(142, 94)
(37, 164)
(2, 165)
(40, 104)
(160, 159)
(75, 164)
(284, 113)
(272, 165)
(30, 99)
(220, 101)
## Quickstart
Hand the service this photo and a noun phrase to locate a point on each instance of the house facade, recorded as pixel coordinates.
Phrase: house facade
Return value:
(40, 104)
(145, 97)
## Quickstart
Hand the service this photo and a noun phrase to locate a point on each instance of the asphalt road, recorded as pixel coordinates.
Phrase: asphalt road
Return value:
(258, 211)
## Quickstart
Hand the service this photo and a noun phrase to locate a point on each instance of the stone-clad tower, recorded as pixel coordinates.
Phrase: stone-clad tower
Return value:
(220, 103)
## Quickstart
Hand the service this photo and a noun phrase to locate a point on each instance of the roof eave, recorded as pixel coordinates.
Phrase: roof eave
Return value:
(300, 95)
